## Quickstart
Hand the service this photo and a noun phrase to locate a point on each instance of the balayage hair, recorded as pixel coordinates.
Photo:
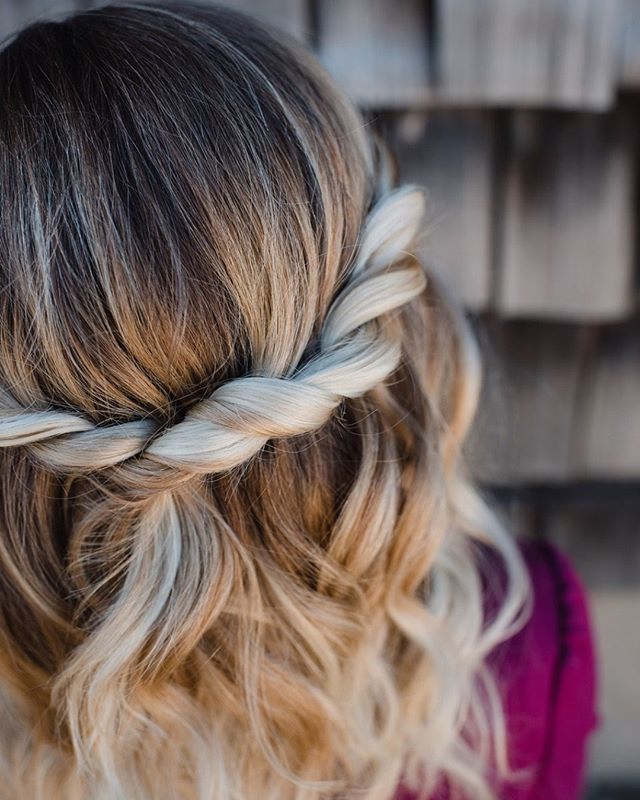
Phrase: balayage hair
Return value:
(240, 557)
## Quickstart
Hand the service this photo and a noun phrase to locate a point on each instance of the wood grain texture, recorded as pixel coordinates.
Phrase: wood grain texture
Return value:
(450, 154)
(376, 50)
(568, 220)
(550, 52)
(601, 538)
(522, 432)
(607, 433)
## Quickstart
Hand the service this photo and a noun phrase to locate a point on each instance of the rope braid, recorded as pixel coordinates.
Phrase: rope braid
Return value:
(186, 612)
(231, 425)
(357, 350)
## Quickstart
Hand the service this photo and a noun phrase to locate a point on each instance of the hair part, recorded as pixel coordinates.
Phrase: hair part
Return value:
(238, 549)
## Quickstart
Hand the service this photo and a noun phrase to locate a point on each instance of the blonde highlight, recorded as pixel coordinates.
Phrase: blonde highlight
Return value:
(238, 547)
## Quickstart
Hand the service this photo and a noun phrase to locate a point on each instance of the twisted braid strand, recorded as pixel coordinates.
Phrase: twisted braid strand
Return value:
(240, 416)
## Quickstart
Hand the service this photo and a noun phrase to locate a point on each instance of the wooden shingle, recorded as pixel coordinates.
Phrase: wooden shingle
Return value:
(607, 431)
(549, 52)
(568, 221)
(522, 432)
(377, 51)
(450, 154)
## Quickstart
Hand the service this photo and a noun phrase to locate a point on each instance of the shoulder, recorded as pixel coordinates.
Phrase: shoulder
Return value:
(548, 678)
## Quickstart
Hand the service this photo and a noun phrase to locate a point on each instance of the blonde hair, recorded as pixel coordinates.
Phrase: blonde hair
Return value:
(240, 557)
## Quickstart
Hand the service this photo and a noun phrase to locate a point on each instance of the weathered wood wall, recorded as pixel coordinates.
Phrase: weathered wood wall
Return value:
(522, 120)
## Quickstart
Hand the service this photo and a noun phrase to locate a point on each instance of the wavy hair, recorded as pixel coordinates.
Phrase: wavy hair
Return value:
(240, 556)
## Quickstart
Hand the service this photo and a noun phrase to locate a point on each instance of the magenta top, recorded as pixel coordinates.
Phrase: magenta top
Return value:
(548, 677)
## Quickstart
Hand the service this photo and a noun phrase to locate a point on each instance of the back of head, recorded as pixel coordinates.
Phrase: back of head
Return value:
(236, 542)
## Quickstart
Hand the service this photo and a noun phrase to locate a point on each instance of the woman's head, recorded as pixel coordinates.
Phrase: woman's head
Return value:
(180, 194)
(234, 534)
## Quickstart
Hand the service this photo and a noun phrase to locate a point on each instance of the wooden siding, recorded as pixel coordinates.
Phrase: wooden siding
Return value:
(568, 217)
(450, 153)
(376, 50)
(519, 52)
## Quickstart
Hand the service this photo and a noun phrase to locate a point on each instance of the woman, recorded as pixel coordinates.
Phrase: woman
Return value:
(240, 557)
